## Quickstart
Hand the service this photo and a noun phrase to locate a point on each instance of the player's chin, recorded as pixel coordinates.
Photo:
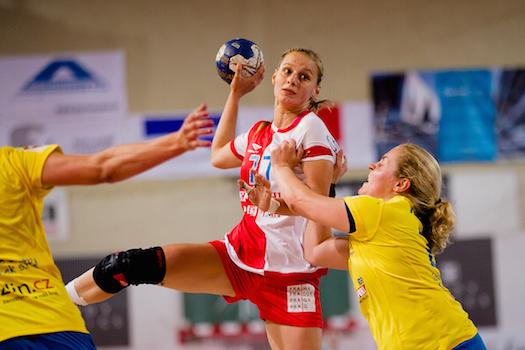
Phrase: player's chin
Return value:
(363, 189)
(291, 103)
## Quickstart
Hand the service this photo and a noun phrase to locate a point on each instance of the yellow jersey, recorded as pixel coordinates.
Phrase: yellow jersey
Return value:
(33, 299)
(396, 279)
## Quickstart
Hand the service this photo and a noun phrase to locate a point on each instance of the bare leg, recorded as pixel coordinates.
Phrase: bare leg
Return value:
(283, 337)
(194, 268)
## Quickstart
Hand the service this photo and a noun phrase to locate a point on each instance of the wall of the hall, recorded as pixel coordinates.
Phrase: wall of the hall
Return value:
(170, 48)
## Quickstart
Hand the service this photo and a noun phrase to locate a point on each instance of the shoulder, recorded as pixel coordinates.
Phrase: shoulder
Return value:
(399, 203)
(399, 208)
(312, 120)
(364, 202)
(33, 157)
(260, 125)
(42, 151)
(28, 151)
(366, 213)
(313, 132)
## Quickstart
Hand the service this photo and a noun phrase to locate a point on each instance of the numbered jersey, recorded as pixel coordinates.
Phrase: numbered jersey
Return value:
(270, 242)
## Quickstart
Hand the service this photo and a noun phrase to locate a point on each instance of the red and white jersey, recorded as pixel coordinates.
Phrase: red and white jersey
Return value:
(270, 242)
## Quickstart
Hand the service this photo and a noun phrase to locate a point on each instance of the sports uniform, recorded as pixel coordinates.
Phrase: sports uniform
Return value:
(397, 282)
(33, 299)
(270, 245)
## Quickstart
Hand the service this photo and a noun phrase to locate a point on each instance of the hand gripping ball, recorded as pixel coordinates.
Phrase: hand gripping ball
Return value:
(237, 51)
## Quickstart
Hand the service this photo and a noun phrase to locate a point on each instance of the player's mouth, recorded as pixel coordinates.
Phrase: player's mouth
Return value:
(288, 91)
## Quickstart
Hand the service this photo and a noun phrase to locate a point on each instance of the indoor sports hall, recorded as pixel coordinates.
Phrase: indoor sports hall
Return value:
(446, 75)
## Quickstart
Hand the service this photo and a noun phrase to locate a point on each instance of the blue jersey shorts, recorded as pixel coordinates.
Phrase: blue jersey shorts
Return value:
(50, 341)
(475, 343)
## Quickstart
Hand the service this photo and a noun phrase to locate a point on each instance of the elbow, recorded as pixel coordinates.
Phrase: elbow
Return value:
(99, 169)
(105, 174)
(217, 163)
(311, 258)
(291, 205)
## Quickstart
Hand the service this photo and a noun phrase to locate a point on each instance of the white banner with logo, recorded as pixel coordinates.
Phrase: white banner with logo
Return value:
(350, 123)
(77, 100)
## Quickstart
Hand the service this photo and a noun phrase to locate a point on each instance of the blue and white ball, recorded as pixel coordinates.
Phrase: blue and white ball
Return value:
(237, 51)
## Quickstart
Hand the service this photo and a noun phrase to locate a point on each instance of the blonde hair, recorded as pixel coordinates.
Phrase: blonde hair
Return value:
(315, 105)
(436, 214)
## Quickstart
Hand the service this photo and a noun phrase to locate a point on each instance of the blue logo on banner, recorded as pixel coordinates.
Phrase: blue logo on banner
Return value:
(63, 76)
(154, 127)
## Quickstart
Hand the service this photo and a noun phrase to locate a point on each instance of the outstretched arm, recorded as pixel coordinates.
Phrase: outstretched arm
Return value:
(318, 175)
(221, 155)
(124, 161)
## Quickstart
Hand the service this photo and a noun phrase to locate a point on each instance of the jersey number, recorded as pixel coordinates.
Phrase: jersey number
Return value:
(265, 164)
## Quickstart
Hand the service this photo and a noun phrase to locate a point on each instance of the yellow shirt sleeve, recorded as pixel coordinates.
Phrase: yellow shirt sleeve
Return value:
(365, 211)
(32, 161)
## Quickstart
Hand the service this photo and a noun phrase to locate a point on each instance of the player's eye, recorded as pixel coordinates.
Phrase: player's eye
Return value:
(304, 77)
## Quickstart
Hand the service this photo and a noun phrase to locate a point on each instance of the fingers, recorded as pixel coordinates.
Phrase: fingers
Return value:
(203, 131)
(339, 157)
(261, 181)
(340, 166)
(198, 113)
(300, 152)
(202, 143)
(290, 143)
(197, 124)
(236, 76)
(238, 68)
(245, 186)
(259, 75)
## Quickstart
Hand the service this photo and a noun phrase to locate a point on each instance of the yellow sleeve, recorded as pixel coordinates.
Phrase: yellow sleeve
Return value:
(31, 163)
(364, 214)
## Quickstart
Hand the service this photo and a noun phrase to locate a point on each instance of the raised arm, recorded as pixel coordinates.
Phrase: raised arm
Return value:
(221, 154)
(124, 161)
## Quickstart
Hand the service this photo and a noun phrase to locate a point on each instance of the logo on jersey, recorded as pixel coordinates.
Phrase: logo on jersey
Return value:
(34, 148)
(63, 76)
(255, 148)
(361, 289)
(333, 143)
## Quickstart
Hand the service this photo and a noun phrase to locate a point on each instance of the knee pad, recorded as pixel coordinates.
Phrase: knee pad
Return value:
(135, 266)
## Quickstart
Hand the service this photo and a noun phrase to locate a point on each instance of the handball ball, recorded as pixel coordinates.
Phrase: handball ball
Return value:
(237, 51)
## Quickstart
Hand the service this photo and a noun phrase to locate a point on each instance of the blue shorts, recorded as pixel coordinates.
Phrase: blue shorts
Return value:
(50, 341)
(475, 343)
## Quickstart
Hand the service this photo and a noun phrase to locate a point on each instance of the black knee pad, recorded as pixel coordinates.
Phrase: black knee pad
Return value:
(135, 266)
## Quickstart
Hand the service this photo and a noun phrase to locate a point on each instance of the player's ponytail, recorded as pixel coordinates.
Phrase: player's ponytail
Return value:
(436, 214)
(316, 105)
(441, 222)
